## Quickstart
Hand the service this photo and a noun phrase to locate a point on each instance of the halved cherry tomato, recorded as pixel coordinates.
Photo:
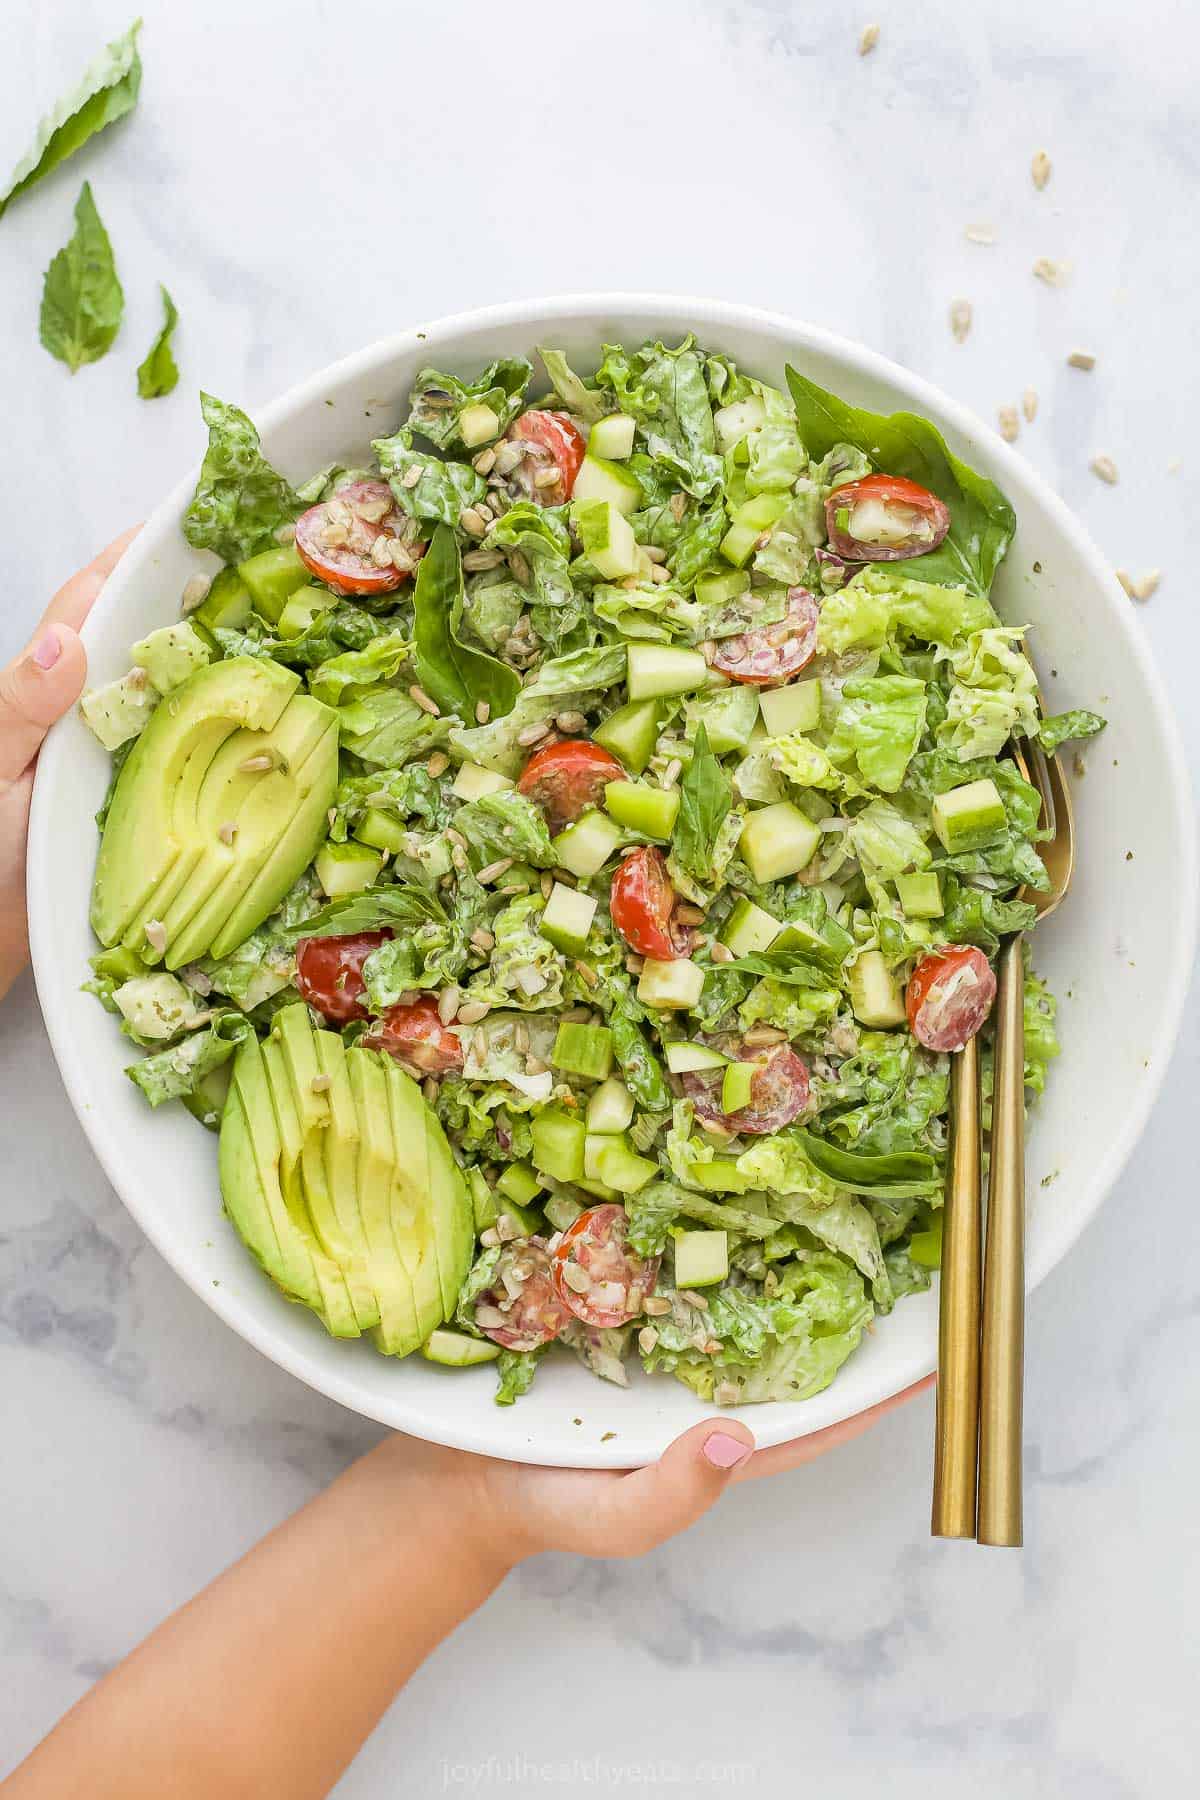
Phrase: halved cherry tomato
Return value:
(415, 1034)
(565, 779)
(776, 652)
(558, 444)
(884, 518)
(338, 540)
(329, 973)
(596, 1275)
(534, 1314)
(642, 901)
(778, 1093)
(950, 994)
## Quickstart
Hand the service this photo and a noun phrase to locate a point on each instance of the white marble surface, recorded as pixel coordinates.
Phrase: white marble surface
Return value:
(306, 177)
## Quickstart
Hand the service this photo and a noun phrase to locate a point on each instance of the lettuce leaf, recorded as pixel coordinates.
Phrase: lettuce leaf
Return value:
(583, 401)
(82, 300)
(158, 373)
(506, 824)
(993, 696)
(384, 727)
(1041, 1036)
(335, 679)
(170, 1074)
(436, 400)
(240, 500)
(666, 392)
(443, 489)
(1062, 727)
(879, 727)
(107, 91)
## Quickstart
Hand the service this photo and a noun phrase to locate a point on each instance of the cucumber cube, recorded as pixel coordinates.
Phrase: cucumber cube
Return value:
(920, 895)
(610, 1108)
(519, 1183)
(272, 578)
(796, 707)
(301, 608)
(594, 1143)
(478, 424)
(778, 840)
(561, 1212)
(607, 539)
(228, 604)
(719, 590)
(557, 1148)
(660, 669)
(473, 781)
(721, 1176)
(670, 985)
(583, 1050)
(120, 709)
(613, 437)
(736, 421)
(762, 512)
(737, 1086)
(170, 654)
(970, 817)
(598, 1189)
(739, 544)
(381, 830)
(749, 928)
(639, 807)
(346, 868)
(484, 1206)
(523, 1221)
(631, 733)
(567, 919)
(729, 716)
(617, 1166)
(584, 847)
(701, 1258)
(797, 935)
(455, 1350)
(683, 1058)
(874, 993)
(599, 479)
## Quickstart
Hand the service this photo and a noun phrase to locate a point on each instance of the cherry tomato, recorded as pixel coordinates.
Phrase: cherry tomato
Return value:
(532, 1316)
(565, 779)
(343, 539)
(776, 652)
(950, 994)
(596, 1275)
(884, 518)
(558, 443)
(329, 973)
(415, 1034)
(642, 901)
(778, 1092)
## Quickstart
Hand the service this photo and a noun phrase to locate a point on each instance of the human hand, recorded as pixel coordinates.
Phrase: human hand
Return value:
(36, 689)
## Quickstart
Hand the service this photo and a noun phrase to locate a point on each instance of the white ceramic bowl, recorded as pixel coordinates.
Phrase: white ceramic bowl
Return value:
(1118, 954)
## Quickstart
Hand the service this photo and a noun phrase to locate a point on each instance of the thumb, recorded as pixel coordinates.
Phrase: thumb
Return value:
(638, 1510)
(36, 691)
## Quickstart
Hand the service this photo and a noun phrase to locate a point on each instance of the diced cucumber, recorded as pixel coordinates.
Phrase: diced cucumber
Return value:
(721, 1176)
(683, 1058)
(749, 928)
(639, 807)
(701, 1258)
(719, 590)
(478, 424)
(524, 1221)
(567, 919)
(796, 707)
(302, 607)
(583, 1050)
(613, 437)
(594, 1143)
(519, 1183)
(118, 964)
(778, 840)
(120, 709)
(736, 421)
(561, 1212)
(619, 1167)
(737, 1086)
(798, 935)
(598, 1189)
(920, 895)
(346, 868)
(739, 544)
(473, 781)
(455, 1350)
(631, 733)
(607, 538)
(673, 985)
(600, 479)
(584, 847)
(659, 669)
(610, 1108)
(557, 1148)
(228, 603)
(729, 716)
(170, 654)
(874, 993)
(762, 511)
(381, 831)
(970, 817)
(925, 1247)
(484, 1205)
(272, 578)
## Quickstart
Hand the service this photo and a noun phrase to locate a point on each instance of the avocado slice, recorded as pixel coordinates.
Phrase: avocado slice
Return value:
(335, 1307)
(249, 1162)
(340, 1148)
(397, 1332)
(411, 1195)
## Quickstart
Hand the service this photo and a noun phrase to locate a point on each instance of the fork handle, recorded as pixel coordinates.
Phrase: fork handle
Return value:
(956, 1428)
(1002, 1368)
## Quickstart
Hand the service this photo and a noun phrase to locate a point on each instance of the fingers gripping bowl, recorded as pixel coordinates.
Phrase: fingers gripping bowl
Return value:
(1098, 953)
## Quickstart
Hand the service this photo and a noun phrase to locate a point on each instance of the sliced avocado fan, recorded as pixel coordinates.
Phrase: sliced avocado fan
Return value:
(220, 806)
(339, 1179)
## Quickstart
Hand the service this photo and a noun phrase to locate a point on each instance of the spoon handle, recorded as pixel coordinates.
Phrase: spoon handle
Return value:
(1002, 1368)
(956, 1429)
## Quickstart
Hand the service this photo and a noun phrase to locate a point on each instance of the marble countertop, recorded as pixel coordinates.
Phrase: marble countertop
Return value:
(306, 178)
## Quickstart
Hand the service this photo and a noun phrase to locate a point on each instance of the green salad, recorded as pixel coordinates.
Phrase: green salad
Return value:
(559, 857)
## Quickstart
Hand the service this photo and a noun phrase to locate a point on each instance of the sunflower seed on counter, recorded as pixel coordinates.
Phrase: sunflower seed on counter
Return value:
(1009, 423)
(868, 38)
(960, 319)
(1040, 169)
(1105, 468)
(1081, 359)
(1029, 404)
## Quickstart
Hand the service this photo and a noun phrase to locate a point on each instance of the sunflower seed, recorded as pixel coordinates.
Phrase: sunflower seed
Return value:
(868, 39)
(691, 1298)
(400, 555)
(156, 935)
(473, 521)
(1105, 468)
(372, 511)
(438, 763)
(412, 475)
(429, 1088)
(546, 478)
(659, 574)
(483, 712)
(423, 701)
(483, 940)
(653, 554)
(1029, 404)
(321, 1084)
(721, 953)
(1143, 586)
(672, 772)
(256, 765)
(535, 1066)
(455, 837)
(1053, 273)
(1010, 423)
(677, 506)
(577, 1279)
(635, 964)
(960, 319)
(764, 1034)
(489, 1239)
(532, 734)
(980, 234)
(484, 462)
(381, 551)
(570, 722)
(1039, 168)
(227, 832)
(507, 1228)
(471, 1014)
(482, 559)
(508, 455)
(1081, 359)
(647, 1338)
(656, 1305)
(195, 593)
(546, 883)
(493, 870)
(588, 974)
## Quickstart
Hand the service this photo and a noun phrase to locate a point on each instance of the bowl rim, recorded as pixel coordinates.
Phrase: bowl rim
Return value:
(913, 391)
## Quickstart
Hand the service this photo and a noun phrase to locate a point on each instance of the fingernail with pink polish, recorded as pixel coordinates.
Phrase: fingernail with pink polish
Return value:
(725, 1452)
(47, 650)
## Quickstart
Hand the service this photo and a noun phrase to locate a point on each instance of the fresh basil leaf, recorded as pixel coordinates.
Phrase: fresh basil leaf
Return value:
(1062, 727)
(457, 677)
(705, 796)
(898, 1176)
(108, 90)
(240, 500)
(981, 520)
(159, 373)
(82, 300)
(640, 1068)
